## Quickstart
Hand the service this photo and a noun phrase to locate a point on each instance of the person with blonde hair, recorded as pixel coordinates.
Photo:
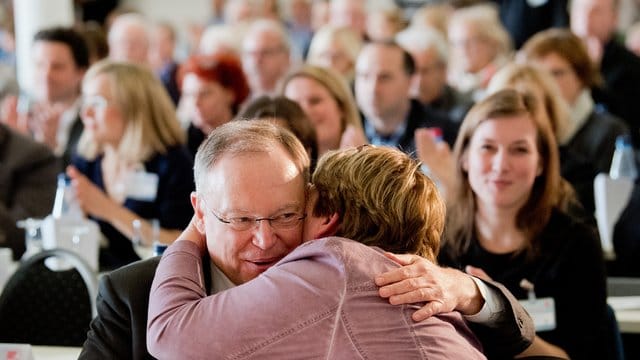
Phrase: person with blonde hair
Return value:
(508, 219)
(132, 166)
(336, 48)
(327, 283)
(480, 46)
(329, 104)
(577, 169)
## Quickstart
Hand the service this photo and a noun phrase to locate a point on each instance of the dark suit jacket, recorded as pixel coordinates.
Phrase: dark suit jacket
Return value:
(28, 173)
(120, 329)
(621, 71)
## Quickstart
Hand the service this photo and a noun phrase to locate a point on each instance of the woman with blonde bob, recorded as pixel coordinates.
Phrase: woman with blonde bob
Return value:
(132, 166)
(329, 104)
(508, 219)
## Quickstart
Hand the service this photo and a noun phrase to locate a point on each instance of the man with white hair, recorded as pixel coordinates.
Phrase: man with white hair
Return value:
(349, 13)
(129, 39)
(266, 56)
(430, 53)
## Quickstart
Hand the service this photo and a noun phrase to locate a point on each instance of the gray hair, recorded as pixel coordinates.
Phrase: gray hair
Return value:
(241, 137)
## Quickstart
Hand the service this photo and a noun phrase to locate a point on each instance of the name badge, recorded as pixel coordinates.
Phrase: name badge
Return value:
(142, 185)
(542, 311)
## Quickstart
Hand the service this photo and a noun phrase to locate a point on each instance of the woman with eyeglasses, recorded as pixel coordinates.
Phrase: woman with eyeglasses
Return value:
(132, 166)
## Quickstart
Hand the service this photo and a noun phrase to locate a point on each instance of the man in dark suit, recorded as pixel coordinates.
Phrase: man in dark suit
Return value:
(382, 87)
(120, 328)
(28, 173)
(61, 58)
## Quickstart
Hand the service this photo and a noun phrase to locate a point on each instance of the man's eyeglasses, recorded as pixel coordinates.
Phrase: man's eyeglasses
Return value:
(284, 221)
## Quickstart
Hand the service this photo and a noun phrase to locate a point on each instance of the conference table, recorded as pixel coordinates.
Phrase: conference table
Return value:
(627, 309)
(55, 352)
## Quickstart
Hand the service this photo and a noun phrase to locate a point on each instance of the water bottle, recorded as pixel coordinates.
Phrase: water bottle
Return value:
(158, 247)
(65, 204)
(623, 164)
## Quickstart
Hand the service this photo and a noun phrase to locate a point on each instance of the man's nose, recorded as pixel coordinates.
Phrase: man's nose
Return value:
(264, 237)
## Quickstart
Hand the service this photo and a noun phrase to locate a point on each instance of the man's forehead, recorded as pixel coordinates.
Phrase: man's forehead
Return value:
(380, 56)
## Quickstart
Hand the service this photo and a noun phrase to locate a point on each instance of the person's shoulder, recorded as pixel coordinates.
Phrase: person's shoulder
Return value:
(604, 118)
(569, 229)
(174, 157)
(23, 147)
(134, 275)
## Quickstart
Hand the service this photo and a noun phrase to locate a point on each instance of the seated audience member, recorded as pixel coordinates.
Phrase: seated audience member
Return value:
(286, 113)
(349, 13)
(298, 23)
(60, 59)
(266, 56)
(132, 164)
(595, 22)
(430, 52)
(345, 199)
(593, 131)
(391, 116)
(575, 167)
(384, 21)
(433, 15)
(329, 104)
(221, 38)
(335, 48)
(507, 219)
(119, 329)
(28, 172)
(162, 43)
(213, 89)
(129, 37)
(480, 46)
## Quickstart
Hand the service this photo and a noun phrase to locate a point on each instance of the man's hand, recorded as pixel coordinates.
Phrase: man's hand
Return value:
(11, 117)
(420, 280)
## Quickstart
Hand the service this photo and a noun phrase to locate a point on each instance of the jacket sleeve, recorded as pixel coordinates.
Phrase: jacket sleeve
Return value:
(186, 323)
(511, 332)
(109, 335)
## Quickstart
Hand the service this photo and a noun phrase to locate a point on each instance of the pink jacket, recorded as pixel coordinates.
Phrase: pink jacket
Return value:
(319, 302)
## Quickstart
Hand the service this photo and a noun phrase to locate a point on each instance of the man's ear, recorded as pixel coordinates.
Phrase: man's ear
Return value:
(329, 225)
(197, 210)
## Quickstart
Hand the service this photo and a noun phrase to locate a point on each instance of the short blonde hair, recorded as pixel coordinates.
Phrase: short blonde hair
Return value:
(522, 77)
(337, 87)
(382, 198)
(151, 125)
